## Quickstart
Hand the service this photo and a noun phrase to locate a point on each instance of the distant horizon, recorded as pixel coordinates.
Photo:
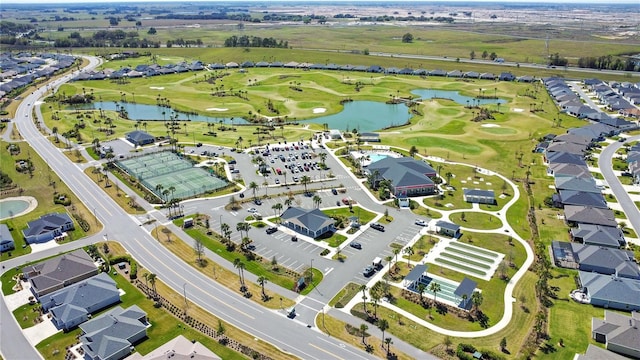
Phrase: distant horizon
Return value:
(591, 2)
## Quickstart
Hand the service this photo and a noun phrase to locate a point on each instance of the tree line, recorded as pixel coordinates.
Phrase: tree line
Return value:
(255, 41)
(609, 63)
(444, 19)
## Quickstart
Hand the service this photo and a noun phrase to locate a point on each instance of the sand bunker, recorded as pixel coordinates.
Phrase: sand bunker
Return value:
(217, 109)
(156, 87)
(490, 125)
(319, 110)
(518, 110)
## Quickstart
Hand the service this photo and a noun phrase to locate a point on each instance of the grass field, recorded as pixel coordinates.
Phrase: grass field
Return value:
(476, 220)
(43, 185)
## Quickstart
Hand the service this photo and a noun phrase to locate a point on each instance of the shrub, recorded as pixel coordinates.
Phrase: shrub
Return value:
(133, 273)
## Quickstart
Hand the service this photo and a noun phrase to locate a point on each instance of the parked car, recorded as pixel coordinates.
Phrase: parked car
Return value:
(377, 226)
(355, 245)
(277, 181)
(257, 202)
(368, 271)
(251, 247)
(334, 191)
(294, 238)
(421, 222)
(271, 230)
(252, 210)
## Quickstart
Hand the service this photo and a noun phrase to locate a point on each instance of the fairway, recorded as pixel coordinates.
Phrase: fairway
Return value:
(167, 172)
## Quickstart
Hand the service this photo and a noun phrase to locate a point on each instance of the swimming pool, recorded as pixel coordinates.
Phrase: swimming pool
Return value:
(11, 208)
(377, 156)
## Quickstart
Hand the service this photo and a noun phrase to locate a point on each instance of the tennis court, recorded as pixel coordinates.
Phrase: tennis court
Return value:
(166, 171)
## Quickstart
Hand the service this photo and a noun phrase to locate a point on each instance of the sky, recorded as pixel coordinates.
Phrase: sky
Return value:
(636, 3)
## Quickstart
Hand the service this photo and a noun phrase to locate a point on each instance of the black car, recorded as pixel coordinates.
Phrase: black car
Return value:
(257, 202)
(251, 247)
(355, 245)
(294, 238)
(377, 226)
(334, 191)
(271, 230)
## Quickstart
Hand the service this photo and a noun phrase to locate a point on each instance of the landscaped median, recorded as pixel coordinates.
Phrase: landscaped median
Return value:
(261, 267)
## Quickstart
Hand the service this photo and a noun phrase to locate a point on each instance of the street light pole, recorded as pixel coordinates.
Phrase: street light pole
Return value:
(311, 269)
(221, 226)
(184, 293)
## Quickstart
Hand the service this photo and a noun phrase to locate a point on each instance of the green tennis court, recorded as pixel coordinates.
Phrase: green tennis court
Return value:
(169, 176)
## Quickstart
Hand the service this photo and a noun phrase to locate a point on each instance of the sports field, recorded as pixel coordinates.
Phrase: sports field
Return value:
(169, 176)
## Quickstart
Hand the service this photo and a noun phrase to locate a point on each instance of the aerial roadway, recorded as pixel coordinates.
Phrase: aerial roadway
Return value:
(291, 336)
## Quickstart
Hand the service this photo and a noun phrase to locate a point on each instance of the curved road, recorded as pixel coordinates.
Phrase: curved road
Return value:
(291, 336)
(605, 165)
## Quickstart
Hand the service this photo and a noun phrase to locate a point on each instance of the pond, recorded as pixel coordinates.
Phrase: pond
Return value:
(13, 207)
(145, 112)
(454, 96)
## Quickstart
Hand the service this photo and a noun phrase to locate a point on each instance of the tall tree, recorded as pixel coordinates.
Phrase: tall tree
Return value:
(363, 330)
(383, 325)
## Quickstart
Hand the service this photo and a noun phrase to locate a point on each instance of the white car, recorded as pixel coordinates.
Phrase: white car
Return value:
(421, 222)
(252, 210)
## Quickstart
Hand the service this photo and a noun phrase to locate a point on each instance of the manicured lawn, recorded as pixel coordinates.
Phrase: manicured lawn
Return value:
(117, 194)
(42, 186)
(345, 295)
(26, 316)
(335, 240)
(476, 220)
(362, 214)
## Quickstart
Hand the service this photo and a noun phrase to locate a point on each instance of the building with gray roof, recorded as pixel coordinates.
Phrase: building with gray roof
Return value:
(609, 291)
(111, 335)
(601, 260)
(584, 198)
(47, 227)
(479, 196)
(619, 333)
(408, 176)
(71, 306)
(577, 184)
(309, 222)
(564, 158)
(178, 348)
(569, 170)
(139, 138)
(589, 234)
(60, 271)
(576, 214)
(448, 228)
(595, 353)
(6, 239)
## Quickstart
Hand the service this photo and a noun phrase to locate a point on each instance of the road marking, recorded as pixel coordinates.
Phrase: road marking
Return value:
(343, 347)
(325, 351)
(328, 271)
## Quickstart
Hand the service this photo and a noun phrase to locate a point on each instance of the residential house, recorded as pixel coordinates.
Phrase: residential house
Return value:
(588, 215)
(408, 176)
(561, 146)
(588, 234)
(606, 261)
(576, 197)
(178, 348)
(577, 184)
(455, 74)
(437, 72)
(6, 239)
(595, 353)
(619, 333)
(47, 227)
(448, 229)
(565, 158)
(112, 335)
(479, 196)
(309, 222)
(60, 271)
(139, 138)
(569, 170)
(596, 132)
(72, 305)
(506, 76)
(231, 65)
(610, 291)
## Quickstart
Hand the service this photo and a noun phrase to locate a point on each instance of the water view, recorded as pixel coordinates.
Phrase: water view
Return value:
(10, 208)
(360, 115)
(155, 113)
(426, 94)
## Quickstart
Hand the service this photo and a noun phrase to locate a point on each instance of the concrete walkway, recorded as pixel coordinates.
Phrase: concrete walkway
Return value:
(506, 228)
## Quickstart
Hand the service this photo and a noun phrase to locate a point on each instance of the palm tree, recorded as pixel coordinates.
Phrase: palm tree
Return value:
(152, 280)
(254, 187)
(448, 175)
(262, 281)
(226, 232)
(476, 299)
(54, 130)
(421, 288)
(288, 202)
(363, 330)
(146, 278)
(413, 151)
(238, 264)
(243, 226)
(388, 341)
(409, 251)
(375, 298)
(317, 200)
(464, 300)
(363, 288)
(304, 181)
(383, 325)
(323, 158)
(434, 288)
